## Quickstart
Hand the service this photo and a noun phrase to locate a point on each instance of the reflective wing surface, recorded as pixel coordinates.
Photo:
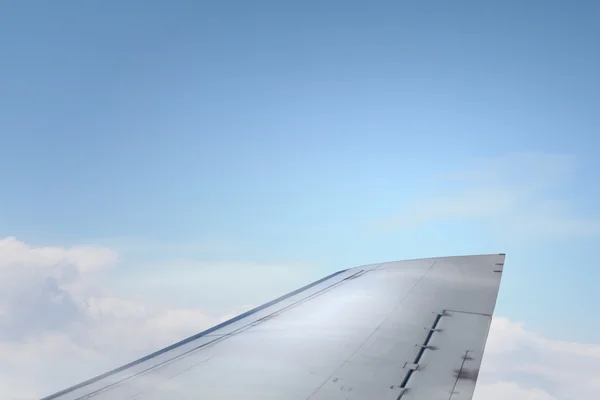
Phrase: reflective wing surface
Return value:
(400, 330)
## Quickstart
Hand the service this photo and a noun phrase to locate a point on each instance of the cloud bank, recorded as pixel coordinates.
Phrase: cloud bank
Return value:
(519, 364)
(59, 326)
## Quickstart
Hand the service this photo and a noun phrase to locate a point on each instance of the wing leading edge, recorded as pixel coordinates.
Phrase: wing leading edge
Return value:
(404, 330)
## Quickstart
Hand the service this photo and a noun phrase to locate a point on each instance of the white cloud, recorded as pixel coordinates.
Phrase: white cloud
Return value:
(510, 390)
(59, 327)
(39, 286)
(516, 194)
(84, 259)
(519, 364)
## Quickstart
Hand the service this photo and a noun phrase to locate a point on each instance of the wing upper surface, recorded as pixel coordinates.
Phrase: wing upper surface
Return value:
(411, 329)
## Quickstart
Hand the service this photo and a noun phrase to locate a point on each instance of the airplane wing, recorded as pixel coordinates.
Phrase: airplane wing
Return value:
(403, 330)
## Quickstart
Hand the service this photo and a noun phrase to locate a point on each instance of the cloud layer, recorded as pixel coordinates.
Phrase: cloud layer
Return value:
(519, 364)
(59, 326)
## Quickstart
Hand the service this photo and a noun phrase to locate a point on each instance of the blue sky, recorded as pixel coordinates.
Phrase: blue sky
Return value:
(321, 135)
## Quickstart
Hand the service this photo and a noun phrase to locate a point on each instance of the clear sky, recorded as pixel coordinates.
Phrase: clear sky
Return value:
(226, 152)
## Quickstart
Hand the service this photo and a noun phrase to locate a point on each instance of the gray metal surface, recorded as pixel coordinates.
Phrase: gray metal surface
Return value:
(401, 330)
